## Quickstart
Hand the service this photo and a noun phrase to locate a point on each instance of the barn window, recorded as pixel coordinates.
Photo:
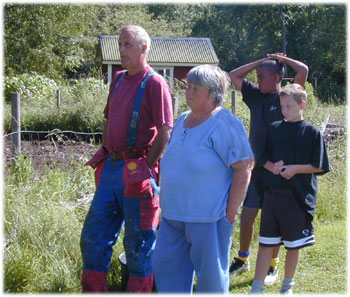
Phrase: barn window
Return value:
(167, 73)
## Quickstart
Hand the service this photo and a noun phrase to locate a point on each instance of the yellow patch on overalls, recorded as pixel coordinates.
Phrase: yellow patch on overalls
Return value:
(132, 166)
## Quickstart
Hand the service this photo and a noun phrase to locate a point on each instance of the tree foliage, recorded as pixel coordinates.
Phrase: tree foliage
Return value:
(244, 33)
(54, 40)
(45, 38)
(318, 34)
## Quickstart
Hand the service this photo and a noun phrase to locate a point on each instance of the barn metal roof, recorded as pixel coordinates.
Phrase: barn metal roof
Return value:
(164, 50)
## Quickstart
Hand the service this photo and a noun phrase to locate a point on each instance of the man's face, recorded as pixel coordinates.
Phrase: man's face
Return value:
(131, 52)
(268, 82)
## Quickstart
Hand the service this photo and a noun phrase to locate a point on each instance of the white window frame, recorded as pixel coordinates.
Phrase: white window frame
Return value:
(155, 67)
(164, 69)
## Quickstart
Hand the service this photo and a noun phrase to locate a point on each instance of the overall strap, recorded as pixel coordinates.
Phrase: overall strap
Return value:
(135, 114)
(118, 82)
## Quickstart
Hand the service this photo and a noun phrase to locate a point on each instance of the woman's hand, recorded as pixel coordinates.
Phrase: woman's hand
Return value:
(231, 218)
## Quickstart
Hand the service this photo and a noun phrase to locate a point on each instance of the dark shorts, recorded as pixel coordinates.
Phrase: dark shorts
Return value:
(255, 193)
(284, 221)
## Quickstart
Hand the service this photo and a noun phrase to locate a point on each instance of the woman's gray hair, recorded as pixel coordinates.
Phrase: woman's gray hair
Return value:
(213, 78)
(140, 35)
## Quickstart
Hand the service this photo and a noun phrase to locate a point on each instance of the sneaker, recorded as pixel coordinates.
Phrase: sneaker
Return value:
(271, 277)
(238, 266)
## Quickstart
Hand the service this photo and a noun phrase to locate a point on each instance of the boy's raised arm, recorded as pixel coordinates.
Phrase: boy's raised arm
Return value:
(239, 73)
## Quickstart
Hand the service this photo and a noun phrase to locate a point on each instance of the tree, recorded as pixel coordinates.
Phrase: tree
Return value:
(180, 17)
(318, 34)
(45, 38)
(244, 33)
(54, 39)
(241, 33)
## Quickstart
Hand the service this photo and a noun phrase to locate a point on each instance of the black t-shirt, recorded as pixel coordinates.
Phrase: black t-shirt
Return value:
(295, 143)
(264, 110)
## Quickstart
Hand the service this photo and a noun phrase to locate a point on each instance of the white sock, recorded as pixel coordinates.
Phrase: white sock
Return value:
(257, 287)
(288, 284)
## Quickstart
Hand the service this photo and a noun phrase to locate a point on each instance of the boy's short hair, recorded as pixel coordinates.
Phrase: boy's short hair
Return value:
(274, 67)
(296, 91)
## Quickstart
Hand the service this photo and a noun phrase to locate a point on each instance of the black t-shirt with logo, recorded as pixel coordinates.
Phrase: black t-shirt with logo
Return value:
(264, 110)
(295, 143)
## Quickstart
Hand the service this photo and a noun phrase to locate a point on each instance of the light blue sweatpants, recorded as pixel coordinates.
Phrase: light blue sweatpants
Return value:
(183, 249)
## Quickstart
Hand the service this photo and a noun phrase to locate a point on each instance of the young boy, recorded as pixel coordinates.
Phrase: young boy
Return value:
(294, 152)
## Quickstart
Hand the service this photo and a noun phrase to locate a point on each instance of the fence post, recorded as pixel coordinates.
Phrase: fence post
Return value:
(16, 123)
(233, 101)
(175, 105)
(58, 98)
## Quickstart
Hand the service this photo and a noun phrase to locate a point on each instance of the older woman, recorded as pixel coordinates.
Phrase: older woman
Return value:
(205, 172)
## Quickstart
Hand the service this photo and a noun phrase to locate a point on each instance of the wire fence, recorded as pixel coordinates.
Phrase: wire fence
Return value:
(60, 140)
(54, 132)
(51, 145)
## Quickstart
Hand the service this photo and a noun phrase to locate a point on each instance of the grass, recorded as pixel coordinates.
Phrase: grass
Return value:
(42, 227)
(43, 221)
(322, 268)
(44, 213)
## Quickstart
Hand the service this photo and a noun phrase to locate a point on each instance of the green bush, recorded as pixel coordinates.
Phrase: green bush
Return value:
(81, 109)
(31, 86)
(331, 91)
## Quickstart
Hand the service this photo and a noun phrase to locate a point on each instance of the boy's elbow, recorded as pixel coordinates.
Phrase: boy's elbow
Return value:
(236, 80)
(306, 71)
(233, 75)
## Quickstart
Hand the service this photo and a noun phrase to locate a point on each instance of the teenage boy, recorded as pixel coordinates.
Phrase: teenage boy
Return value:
(264, 105)
(293, 154)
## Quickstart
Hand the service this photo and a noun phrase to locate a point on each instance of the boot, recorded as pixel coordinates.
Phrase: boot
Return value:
(94, 282)
(140, 284)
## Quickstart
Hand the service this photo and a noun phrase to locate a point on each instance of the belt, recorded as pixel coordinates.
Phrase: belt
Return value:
(125, 155)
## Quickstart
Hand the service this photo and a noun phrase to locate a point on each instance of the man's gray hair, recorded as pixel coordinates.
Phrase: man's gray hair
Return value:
(213, 78)
(140, 35)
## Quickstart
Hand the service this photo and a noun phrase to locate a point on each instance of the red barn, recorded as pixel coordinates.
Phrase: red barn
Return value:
(173, 57)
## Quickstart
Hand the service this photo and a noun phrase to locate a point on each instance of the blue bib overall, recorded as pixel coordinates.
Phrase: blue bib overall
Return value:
(112, 206)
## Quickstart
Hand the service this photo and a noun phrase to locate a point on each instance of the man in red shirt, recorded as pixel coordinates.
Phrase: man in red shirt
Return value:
(127, 169)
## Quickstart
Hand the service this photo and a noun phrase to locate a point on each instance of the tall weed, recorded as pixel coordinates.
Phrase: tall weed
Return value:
(42, 224)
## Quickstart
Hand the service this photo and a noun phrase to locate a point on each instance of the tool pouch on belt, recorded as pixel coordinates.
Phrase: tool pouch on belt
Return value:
(98, 157)
(97, 162)
(136, 177)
